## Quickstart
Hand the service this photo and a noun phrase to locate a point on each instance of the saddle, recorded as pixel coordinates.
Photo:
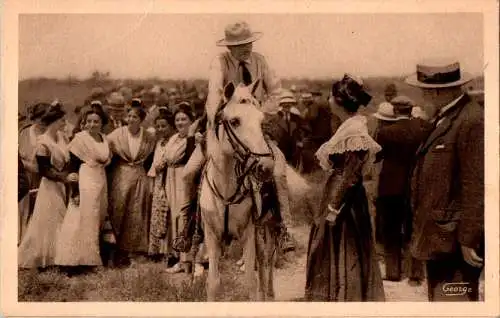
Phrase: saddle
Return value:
(192, 234)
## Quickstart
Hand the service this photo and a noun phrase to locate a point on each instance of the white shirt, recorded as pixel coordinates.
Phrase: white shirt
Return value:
(134, 143)
(216, 85)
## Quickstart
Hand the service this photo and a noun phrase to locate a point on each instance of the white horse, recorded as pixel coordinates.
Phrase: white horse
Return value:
(239, 160)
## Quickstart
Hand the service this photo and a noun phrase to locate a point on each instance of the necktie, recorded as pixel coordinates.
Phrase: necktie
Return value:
(245, 74)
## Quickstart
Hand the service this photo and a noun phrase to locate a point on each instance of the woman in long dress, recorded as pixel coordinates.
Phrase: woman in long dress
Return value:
(130, 194)
(341, 260)
(78, 240)
(37, 248)
(159, 242)
(178, 150)
(28, 136)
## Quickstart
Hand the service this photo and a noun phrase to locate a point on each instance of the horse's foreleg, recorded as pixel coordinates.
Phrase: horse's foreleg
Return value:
(249, 257)
(271, 251)
(262, 264)
(214, 250)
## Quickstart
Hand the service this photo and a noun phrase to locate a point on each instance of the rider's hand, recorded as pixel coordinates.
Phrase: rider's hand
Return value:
(72, 177)
(193, 127)
(198, 137)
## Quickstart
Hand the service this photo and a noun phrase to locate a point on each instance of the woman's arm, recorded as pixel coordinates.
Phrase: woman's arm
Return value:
(46, 169)
(23, 182)
(74, 167)
(351, 174)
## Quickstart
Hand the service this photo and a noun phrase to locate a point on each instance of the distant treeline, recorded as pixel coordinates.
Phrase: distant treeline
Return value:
(73, 91)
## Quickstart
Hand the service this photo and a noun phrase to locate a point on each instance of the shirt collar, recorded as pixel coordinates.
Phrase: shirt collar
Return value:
(449, 106)
(237, 62)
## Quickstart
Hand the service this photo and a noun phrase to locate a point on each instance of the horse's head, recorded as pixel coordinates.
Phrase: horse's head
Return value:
(238, 127)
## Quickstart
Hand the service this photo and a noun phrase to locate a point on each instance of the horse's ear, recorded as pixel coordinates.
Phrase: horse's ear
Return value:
(229, 90)
(253, 87)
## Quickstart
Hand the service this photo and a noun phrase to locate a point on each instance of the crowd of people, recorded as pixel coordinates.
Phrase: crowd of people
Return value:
(119, 185)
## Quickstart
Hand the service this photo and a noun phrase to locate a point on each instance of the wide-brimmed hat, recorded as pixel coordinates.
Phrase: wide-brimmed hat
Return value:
(306, 96)
(385, 112)
(116, 100)
(286, 96)
(438, 74)
(238, 33)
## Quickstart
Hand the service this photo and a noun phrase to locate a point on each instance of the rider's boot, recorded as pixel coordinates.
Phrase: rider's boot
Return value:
(282, 204)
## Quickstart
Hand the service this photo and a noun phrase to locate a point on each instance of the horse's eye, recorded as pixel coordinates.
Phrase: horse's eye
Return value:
(235, 122)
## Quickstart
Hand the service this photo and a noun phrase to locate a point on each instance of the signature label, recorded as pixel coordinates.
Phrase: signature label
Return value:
(456, 289)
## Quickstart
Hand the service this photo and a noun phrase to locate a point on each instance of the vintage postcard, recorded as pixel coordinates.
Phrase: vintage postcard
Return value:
(213, 158)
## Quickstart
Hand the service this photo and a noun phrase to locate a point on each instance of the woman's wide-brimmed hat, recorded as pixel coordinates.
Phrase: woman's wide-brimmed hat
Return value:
(385, 112)
(438, 74)
(238, 33)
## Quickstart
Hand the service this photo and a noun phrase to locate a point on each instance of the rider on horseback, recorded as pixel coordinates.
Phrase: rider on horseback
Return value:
(241, 65)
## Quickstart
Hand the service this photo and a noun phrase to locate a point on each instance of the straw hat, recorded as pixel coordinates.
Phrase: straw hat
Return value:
(385, 112)
(116, 100)
(238, 33)
(287, 97)
(438, 74)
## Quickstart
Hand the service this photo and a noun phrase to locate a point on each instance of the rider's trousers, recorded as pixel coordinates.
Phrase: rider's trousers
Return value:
(197, 161)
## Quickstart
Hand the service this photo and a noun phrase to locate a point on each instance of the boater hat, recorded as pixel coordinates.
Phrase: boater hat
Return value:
(237, 34)
(438, 74)
(385, 112)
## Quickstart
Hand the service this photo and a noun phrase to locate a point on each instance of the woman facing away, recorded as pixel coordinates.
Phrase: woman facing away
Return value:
(159, 242)
(28, 136)
(78, 241)
(341, 261)
(130, 196)
(37, 248)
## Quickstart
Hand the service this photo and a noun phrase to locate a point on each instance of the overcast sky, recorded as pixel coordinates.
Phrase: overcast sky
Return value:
(182, 45)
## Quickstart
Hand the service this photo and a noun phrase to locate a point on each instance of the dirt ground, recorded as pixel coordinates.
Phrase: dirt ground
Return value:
(290, 280)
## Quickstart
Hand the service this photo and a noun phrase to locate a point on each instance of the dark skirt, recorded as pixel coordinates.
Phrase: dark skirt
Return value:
(341, 260)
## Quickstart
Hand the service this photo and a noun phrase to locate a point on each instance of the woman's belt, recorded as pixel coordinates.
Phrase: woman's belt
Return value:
(131, 164)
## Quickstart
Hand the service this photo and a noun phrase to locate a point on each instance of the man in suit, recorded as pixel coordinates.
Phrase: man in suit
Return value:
(321, 127)
(448, 186)
(399, 142)
(289, 128)
(115, 109)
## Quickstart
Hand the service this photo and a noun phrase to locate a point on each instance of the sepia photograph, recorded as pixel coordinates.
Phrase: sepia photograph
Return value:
(301, 157)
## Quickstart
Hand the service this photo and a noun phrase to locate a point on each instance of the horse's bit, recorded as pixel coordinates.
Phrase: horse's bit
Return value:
(247, 161)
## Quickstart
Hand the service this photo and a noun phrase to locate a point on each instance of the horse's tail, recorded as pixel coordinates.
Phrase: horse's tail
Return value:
(297, 185)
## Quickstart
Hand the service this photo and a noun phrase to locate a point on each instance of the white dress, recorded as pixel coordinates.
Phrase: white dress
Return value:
(37, 248)
(78, 239)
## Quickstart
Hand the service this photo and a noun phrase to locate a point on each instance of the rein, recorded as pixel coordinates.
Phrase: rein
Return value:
(245, 167)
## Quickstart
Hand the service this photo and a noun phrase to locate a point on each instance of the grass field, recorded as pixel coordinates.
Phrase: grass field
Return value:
(148, 281)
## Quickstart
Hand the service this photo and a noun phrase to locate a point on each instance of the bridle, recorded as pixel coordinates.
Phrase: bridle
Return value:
(246, 163)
